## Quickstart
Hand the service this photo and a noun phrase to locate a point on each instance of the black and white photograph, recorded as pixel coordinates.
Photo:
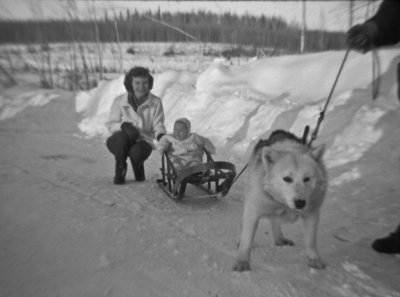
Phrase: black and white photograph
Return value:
(199, 148)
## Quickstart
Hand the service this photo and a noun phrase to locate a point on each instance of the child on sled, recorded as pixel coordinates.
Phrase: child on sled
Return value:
(186, 149)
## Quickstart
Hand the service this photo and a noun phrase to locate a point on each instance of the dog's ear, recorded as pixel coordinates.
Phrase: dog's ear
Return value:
(318, 152)
(269, 156)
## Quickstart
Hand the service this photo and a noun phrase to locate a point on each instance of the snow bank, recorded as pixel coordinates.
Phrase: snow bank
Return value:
(95, 105)
(236, 105)
(11, 104)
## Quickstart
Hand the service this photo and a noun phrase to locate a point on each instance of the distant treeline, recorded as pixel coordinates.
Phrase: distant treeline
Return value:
(260, 32)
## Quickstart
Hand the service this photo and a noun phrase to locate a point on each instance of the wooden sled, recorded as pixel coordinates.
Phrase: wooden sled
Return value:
(213, 177)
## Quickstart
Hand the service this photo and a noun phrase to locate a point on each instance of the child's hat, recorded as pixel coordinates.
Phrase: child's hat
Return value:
(185, 121)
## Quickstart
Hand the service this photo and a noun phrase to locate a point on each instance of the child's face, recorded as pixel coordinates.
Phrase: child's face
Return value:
(140, 86)
(181, 132)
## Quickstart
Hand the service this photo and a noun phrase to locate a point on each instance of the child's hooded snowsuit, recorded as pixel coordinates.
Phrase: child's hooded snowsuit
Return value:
(187, 152)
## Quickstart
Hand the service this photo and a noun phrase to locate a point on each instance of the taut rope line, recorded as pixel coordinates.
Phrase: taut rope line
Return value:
(322, 113)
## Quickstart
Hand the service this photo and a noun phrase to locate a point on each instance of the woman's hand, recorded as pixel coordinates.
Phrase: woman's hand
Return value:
(130, 130)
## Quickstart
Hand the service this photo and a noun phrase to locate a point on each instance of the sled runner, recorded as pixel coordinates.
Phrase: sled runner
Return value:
(213, 177)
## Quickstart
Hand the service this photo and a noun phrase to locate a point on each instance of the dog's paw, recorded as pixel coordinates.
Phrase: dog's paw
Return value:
(284, 241)
(241, 265)
(316, 263)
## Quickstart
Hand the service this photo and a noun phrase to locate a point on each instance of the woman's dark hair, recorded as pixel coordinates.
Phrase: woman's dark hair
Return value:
(137, 72)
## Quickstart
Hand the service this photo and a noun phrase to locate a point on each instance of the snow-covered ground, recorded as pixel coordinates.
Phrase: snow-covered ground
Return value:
(66, 230)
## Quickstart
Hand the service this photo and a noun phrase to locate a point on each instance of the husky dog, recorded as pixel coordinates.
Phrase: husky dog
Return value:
(286, 180)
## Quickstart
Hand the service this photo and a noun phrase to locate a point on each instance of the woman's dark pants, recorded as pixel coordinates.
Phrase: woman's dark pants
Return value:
(122, 147)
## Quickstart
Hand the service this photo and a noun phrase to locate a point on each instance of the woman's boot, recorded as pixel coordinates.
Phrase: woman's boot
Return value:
(138, 154)
(138, 171)
(120, 172)
(118, 144)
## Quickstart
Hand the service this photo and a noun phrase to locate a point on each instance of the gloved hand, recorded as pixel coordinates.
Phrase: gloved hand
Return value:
(130, 130)
(361, 37)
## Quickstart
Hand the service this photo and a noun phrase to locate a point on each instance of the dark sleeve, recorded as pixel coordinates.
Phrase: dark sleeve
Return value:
(387, 19)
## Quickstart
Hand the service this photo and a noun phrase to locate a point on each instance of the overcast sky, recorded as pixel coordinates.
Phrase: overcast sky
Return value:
(328, 15)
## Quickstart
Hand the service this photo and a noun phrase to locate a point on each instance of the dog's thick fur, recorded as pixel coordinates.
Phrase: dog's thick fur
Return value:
(286, 179)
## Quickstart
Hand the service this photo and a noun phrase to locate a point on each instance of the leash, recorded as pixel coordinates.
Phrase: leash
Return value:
(322, 113)
(375, 74)
(240, 173)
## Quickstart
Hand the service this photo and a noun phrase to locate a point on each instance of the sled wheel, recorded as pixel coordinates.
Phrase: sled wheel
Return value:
(180, 191)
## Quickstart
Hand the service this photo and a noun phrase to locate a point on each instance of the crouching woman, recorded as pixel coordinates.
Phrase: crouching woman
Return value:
(136, 118)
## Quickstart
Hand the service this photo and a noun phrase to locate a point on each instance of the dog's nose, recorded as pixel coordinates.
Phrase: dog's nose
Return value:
(299, 204)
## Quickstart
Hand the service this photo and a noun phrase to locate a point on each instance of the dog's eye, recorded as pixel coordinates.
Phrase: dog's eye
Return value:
(306, 179)
(288, 179)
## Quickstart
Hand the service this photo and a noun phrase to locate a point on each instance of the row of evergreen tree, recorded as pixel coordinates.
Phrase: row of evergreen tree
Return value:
(261, 32)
